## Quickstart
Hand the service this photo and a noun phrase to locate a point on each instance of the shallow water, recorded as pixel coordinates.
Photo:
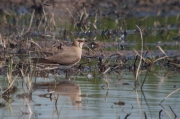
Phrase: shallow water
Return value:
(84, 99)
(89, 98)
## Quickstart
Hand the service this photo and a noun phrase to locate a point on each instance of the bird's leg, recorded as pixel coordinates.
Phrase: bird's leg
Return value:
(67, 74)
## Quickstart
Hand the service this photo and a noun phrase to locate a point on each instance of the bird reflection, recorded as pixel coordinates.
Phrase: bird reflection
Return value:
(61, 88)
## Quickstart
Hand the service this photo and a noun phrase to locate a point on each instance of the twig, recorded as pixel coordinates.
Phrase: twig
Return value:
(106, 70)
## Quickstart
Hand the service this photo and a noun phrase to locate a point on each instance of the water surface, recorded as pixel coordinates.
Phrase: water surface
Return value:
(84, 99)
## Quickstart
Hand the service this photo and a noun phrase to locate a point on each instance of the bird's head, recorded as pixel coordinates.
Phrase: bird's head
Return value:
(79, 42)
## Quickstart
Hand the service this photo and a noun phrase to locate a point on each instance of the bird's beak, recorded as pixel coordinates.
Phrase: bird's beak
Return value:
(85, 41)
(87, 46)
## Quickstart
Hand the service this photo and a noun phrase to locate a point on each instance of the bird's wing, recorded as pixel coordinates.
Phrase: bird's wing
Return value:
(66, 57)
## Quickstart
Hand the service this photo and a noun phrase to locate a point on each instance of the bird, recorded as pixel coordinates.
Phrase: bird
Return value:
(65, 58)
(64, 88)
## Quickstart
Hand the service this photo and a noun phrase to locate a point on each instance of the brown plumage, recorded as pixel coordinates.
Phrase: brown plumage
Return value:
(68, 56)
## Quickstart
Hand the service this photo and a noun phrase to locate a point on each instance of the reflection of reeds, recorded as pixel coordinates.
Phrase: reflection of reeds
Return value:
(105, 77)
(28, 82)
(11, 80)
(29, 111)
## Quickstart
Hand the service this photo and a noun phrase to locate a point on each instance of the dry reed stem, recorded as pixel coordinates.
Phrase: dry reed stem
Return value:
(88, 47)
(32, 41)
(32, 16)
(11, 84)
(39, 50)
(106, 70)
(162, 50)
(143, 58)
(22, 32)
(160, 58)
(141, 52)
(147, 60)
(177, 65)
(28, 82)
(170, 94)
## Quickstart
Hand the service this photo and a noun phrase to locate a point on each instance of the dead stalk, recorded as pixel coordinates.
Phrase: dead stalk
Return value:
(28, 82)
(10, 76)
(147, 60)
(106, 70)
(162, 51)
(177, 65)
(144, 59)
(39, 48)
(32, 16)
(88, 47)
(11, 84)
(160, 58)
(32, 41)
(141, 53)
(105, 78)
(170, 95)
